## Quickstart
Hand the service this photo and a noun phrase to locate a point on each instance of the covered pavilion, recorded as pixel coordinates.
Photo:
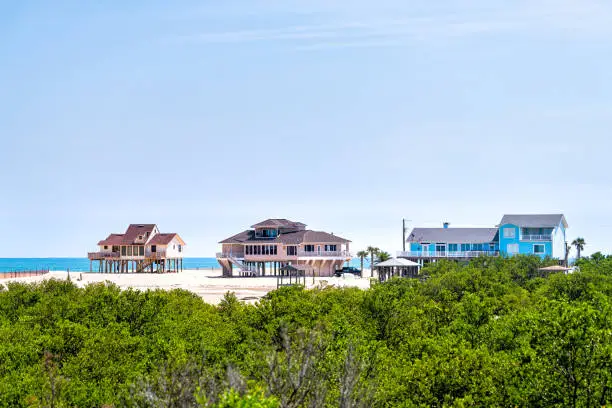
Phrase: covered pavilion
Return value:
(397, 267)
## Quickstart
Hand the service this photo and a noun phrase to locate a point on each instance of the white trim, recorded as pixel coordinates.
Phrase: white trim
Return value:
(441, 244)
(513, 229)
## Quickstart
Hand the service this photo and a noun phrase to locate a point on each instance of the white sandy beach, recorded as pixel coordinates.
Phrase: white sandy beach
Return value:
(208, 284)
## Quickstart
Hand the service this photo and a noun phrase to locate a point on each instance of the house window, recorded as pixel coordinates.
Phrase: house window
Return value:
(154, 248)
(123, 251)
(331, 248)
(509, 232)
(538, 249)
(291, 250)
(141, 250)
(105, 246)
(180, 248)
(465, 247)
(309, 248)
(440, 247)
(452, 247)
(129, 251)
(513, 248)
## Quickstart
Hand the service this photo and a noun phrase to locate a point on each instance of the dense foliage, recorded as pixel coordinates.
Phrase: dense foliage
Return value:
(492, 333)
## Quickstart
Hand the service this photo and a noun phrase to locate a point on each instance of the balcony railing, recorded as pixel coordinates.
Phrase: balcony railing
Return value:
(227, 255)
(331, 254)
(445, 254)
(531, 237)
(117, 255)
(102, 255)
(155, 255)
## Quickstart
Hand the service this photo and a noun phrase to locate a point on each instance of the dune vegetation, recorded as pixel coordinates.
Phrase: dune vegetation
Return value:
(494, 332)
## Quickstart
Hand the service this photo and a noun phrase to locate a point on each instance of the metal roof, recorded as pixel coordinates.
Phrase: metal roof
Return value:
(556, 268)
(398, 262)
(453, 235)
(534, 220)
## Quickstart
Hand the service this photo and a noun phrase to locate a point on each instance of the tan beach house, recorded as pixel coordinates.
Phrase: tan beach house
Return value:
(274, 243)
(142, 248)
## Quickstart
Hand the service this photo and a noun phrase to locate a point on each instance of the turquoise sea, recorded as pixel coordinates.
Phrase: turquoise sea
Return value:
(82, 264)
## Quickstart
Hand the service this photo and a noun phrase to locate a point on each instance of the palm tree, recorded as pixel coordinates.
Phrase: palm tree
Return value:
(373, 252)
(383, 256)
(361, 255)
(579, 244)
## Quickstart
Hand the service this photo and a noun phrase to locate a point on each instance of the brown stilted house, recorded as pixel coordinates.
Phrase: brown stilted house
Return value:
(142, 248)
(274, 243)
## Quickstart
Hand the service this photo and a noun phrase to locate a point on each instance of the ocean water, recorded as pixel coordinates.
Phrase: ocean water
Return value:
(82, 264)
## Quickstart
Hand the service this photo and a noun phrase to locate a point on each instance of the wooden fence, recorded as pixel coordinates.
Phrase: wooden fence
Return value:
(23, 274)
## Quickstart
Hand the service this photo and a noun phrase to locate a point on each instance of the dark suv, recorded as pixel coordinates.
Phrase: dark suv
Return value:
(348, 269)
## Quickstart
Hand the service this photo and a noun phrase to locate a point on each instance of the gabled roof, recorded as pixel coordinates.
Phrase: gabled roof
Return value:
(134, 230)
(453, 235)
(112, 239)
(534, 220)
(165, 239)
(288, 238)
(278, 223)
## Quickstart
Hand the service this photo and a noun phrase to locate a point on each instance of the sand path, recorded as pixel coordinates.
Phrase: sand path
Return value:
(208, 284)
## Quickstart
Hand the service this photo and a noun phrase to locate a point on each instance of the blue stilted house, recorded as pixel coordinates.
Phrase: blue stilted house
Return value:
(534, 234)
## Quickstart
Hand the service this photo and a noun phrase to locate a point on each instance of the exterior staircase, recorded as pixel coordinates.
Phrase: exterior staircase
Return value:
(143, 266)
(244, 270)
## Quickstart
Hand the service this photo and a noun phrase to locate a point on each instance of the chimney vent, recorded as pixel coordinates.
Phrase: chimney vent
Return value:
(446, 224)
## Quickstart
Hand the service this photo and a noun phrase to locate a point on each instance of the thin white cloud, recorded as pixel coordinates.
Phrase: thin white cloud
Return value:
(576, 18)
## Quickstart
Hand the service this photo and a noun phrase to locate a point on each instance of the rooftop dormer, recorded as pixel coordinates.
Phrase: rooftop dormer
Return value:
(273, 227)
(266, 233)
(140, 234)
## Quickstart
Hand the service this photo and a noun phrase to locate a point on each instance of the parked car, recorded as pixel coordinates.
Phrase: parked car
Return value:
(348, 269)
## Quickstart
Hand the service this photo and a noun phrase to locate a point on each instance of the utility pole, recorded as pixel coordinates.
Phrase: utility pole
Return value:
(404, 233)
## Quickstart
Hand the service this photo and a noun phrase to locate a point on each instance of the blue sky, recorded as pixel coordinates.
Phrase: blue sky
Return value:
(206, 117)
